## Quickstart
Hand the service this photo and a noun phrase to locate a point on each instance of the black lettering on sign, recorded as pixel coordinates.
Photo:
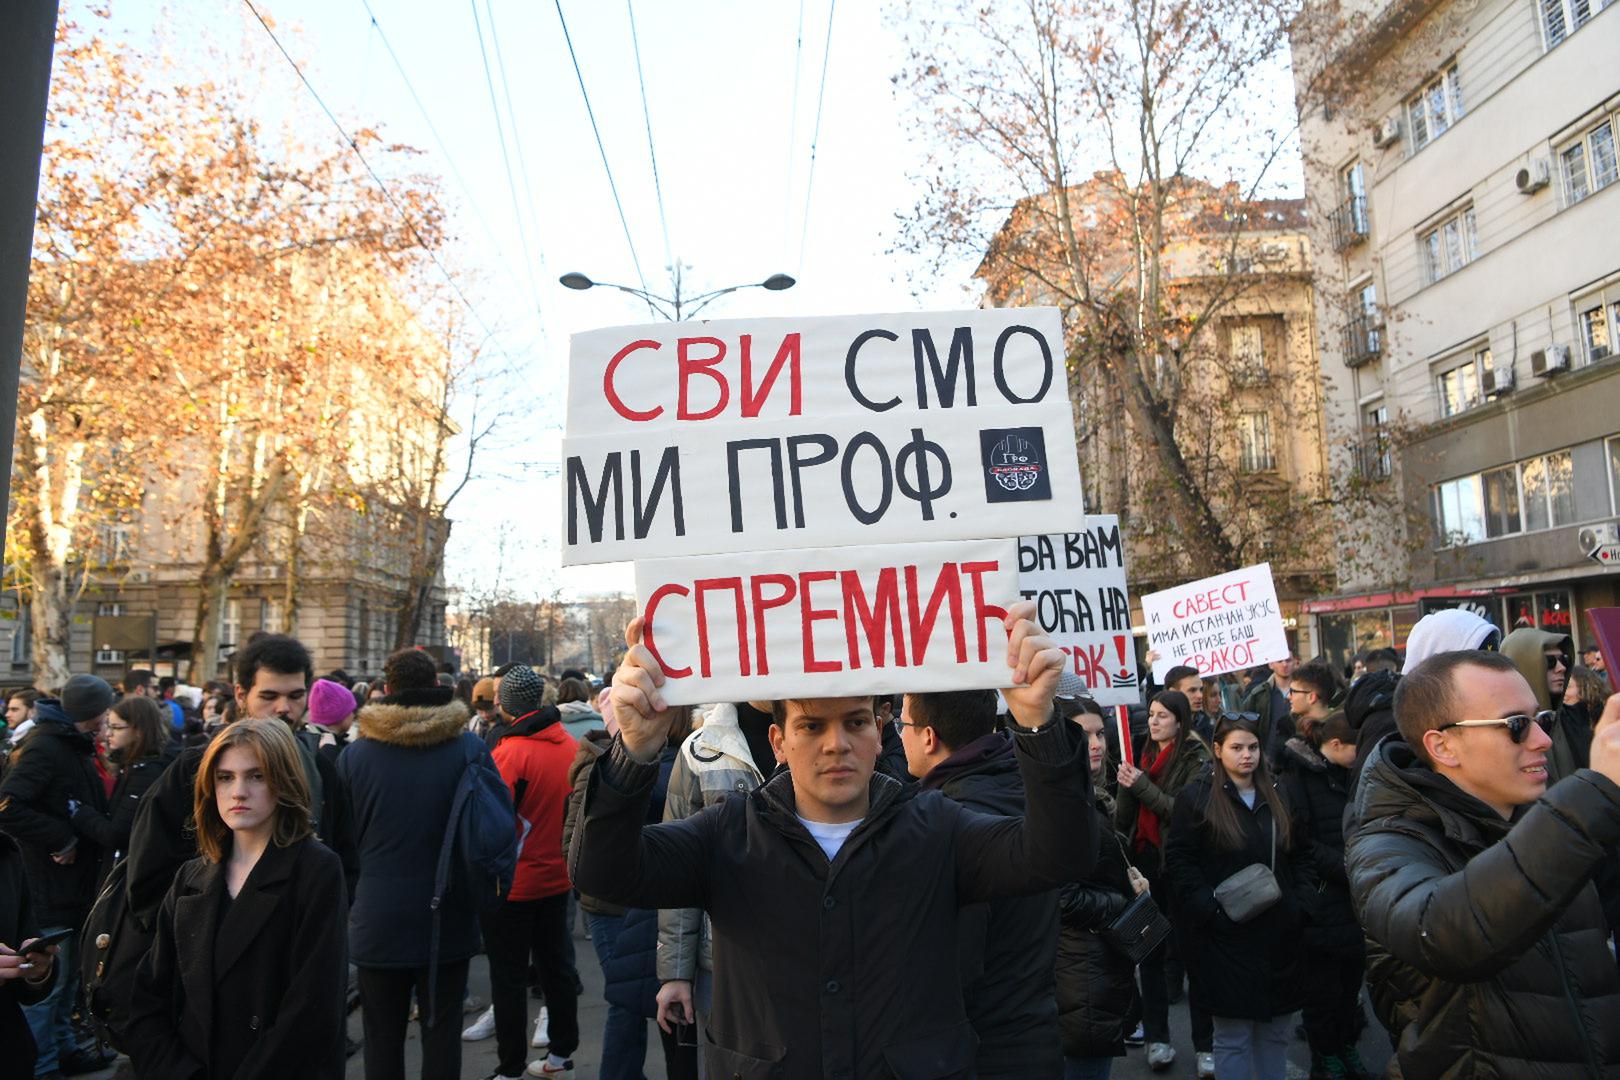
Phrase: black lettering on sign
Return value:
(925, 359)
(849, 370)
(734, 450)
(1001, 364)
(611, 485)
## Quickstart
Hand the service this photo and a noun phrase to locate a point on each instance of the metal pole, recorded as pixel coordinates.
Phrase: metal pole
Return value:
(26, 46)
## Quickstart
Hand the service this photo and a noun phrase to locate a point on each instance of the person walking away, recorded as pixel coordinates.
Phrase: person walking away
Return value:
(1315, 780)
(626, 939)
(1007, 947)
(1167, 760)
(140, 745)
(331, 714)
(834, 891)
(1472, 876)
(533, 757)
(26, 975)
(574, 703)
(1246, 975)
(52, 774)
(246, 976)
(730, 754)
(402, 774)
(1096, 985)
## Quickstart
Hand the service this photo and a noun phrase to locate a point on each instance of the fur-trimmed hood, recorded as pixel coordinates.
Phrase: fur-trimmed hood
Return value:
(401, 724)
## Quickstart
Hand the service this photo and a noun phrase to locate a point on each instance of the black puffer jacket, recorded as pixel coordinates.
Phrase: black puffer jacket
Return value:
(1486, 944)
(1005, 944)
(1246, 971)
(55, 763)
(1317, 791)
(1370, 708)
(1096, 986)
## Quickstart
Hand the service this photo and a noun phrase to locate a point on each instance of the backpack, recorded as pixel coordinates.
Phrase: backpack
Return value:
(111, 946)
(480, 849)
(308, 745)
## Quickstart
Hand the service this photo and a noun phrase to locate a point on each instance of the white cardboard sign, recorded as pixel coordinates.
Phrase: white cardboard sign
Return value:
(1077, 581)
(748, 435)
(1224, 623)
(872, 620)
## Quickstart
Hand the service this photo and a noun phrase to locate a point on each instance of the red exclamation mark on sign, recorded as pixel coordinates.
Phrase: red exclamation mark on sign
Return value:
(1124, 668)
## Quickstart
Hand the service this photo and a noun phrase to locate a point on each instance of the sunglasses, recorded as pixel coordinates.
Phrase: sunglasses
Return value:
(1554, 659)
(1518, 726)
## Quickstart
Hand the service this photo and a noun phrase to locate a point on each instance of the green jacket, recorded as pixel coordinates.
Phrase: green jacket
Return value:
(1191, 758)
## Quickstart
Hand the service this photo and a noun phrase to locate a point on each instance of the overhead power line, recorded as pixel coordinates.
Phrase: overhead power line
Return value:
(815, 136)
(506, 160)
(517, 133)
(793, 132)
(591, 113)
(658, 188)
(348, 140)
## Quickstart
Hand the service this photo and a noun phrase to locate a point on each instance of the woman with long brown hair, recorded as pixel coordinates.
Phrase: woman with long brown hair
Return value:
(1243, 966)
(140, 746)
(247, 974)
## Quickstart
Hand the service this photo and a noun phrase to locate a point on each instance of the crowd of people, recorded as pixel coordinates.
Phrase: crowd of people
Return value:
(210, 880)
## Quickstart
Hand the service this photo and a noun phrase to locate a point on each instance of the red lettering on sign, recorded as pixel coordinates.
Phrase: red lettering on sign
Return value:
(1213, 600)
(688, 366)
(647, 628)
(788, 353)
(808, 616)
(761, 605)
(858, 615)
(982, 611)
(948, 586)
(713, 585)
(612, 395)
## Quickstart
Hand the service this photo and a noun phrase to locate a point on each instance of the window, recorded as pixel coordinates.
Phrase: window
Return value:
(22, 637)
(1461, 384)
(1502, 502)
(272, 618)
(1254, 438)
(1459, 511)
(1433, 109)
(1561, 18)
(1614, 474)
(109, 656)
(1376, 463)
(1549, 491)
(1449, 246)
(1349, 219)
(111, 609)
(1588, 164)
(230, 631)
(1597, 324)
(1247, 346)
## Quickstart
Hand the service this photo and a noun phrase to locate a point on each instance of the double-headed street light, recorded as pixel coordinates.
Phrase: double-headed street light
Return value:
(673, 307)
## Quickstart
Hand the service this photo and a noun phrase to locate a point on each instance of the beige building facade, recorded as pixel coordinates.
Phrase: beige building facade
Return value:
(1461, 173)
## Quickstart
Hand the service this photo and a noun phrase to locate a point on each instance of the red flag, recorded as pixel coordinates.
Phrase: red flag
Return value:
(1123, 716)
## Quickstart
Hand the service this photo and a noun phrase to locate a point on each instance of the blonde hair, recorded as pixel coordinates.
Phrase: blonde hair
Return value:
(273, 745)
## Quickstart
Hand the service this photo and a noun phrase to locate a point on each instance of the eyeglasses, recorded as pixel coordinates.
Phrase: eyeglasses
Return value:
(1554, 659)
(1518, 726)
(1296, 690)
(117, 727)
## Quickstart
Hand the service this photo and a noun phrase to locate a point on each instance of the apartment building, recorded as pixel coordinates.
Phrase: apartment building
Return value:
(1461, 168)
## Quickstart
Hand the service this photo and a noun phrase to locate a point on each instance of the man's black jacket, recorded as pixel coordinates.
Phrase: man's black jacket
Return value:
(55, 763)
(1008, 946)
(848, 969)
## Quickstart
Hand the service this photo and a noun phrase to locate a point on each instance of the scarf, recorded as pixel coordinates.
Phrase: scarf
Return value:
(1147, 822)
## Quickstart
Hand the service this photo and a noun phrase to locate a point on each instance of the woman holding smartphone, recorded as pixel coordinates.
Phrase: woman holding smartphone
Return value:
(27, 967)
(247, 975)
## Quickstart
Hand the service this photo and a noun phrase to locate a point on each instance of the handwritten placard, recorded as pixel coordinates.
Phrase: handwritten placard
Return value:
(1224, 623)
(1077, 581)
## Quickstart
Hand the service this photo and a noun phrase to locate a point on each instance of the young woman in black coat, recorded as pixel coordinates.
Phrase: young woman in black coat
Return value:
(247, 975)
(1246, 975)
(139, 743)
(1096, 986)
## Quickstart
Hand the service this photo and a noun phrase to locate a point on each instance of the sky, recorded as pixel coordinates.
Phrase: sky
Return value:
(732, 96)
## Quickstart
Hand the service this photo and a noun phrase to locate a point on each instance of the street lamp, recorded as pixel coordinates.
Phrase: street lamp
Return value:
(671, 307)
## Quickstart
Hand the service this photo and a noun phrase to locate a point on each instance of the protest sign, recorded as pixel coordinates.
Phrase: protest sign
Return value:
(871, 620)
(749, 435)
(1224, 623)
(1077, 581)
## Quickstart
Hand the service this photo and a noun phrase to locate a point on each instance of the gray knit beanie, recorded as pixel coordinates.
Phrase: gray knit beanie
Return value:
(521, 691)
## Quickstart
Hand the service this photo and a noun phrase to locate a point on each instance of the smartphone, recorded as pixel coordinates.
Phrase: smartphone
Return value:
(686, 1035)
(37, 946)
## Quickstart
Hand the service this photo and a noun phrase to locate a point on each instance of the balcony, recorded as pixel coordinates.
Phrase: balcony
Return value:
(1363, 340)
(1349, 223)
(1374, 457)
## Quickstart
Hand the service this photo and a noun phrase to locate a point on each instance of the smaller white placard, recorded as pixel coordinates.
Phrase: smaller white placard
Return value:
(1224, 623)
(1077, 581)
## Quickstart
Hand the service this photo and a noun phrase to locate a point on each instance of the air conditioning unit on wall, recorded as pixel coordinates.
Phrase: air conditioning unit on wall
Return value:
(1592, 537)
(1388, 131)
(1497, 381)
(1545, 363)
(1533, 177)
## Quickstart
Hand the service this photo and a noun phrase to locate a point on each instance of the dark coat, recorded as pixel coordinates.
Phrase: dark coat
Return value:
(1245, 971)
(1317, 791)
(111, 829)
(1008, 945)
(163, 841)
(1096, 986)
(17, 925)
(402, 775)
(1486, 954)
(55, 763)
(1370, 708)
(258, 995)
(843, 969)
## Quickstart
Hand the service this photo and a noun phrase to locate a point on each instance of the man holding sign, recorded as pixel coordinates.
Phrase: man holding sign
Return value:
(833, 891)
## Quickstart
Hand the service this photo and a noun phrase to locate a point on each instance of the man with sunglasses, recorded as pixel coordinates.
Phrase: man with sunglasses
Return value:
(1473, 879)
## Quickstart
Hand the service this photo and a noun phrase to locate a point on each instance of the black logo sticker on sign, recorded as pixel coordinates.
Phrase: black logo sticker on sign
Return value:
(1014, 465)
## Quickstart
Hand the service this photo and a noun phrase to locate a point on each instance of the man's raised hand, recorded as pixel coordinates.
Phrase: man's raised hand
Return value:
(1036, 666)
(644, 720)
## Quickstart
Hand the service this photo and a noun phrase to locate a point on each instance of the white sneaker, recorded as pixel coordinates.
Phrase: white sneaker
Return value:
(542, 1030)
(551, 1065)
(482, 1028)
(1160, 1056)
(1206, 1065)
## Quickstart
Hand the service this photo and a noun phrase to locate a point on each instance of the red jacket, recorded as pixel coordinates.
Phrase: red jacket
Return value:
(534, 762)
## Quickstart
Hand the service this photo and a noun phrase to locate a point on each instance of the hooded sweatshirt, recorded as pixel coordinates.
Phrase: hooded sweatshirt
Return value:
(1527, 648)
(1445, 631)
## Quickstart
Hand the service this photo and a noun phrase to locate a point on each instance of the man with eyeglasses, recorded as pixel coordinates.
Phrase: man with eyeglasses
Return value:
(1473, 878)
